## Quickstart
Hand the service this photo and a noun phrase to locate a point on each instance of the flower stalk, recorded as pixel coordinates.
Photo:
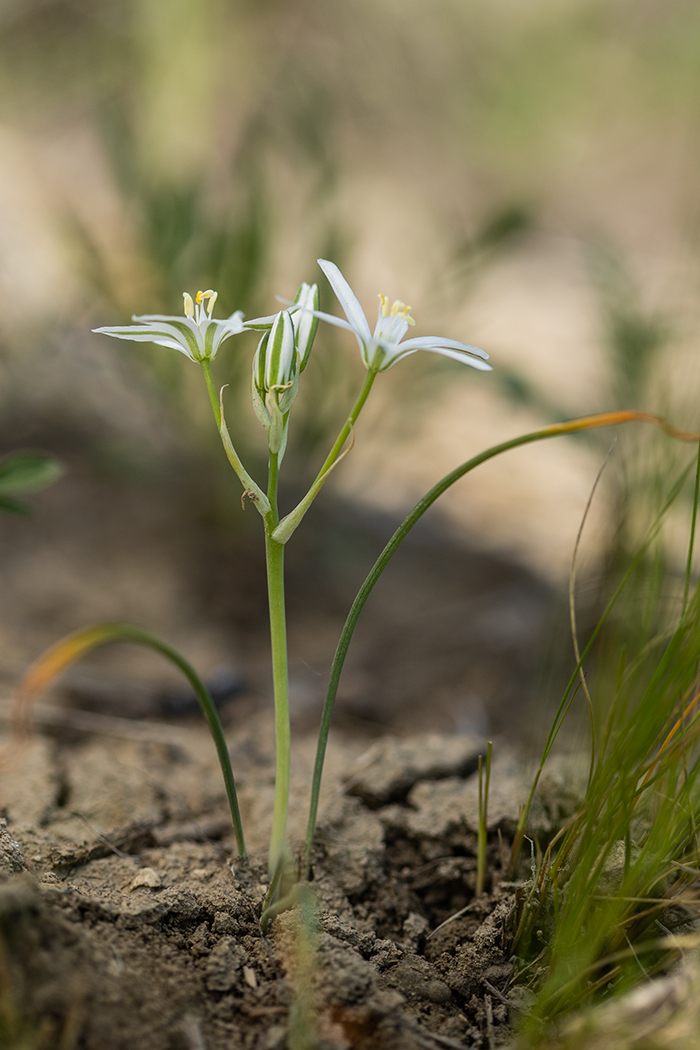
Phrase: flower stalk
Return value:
(291, 521)
(274, 558)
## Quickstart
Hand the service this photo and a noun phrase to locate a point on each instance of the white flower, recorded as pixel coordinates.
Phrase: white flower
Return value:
(383, 348)
(197, 335)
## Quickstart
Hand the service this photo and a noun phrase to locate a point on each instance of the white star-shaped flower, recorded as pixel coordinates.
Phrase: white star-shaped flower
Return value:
(197, 335)
(384, 347)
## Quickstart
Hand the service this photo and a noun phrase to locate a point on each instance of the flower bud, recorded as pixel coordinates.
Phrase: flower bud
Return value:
(276, 379)
(275, 364)
(305, 323)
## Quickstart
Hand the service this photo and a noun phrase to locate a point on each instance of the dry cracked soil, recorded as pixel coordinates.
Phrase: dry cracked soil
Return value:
(128, 922)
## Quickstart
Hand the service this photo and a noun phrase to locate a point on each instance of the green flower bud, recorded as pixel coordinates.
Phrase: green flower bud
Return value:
(276, 379)
(305, 322)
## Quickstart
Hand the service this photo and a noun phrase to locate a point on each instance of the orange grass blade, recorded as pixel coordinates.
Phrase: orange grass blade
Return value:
(669, 738)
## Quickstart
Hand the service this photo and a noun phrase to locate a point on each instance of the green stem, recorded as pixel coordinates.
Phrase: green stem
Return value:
(571, 426)
(211, 390)
(292, 520)
(274, 555)
(250, 487)
(349, 424)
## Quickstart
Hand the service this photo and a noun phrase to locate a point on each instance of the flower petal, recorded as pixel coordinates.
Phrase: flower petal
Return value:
(347, 298)
(160, 318)
(403, 350)
(222, 333)
(261, 324)
(139, 334)
(234, 322)
(436, 342)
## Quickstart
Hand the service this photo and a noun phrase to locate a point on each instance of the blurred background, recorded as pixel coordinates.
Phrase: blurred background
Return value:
(525, 175)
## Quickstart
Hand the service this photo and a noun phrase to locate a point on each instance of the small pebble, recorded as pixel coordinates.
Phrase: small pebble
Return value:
(201, 873)
(147, 877)
(249, 976)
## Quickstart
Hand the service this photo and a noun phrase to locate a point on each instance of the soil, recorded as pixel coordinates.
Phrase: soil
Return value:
(127, 921)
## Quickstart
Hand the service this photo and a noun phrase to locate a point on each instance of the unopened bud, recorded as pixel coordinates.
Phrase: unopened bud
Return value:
(305, 324)
(276, 379)
(275, 364)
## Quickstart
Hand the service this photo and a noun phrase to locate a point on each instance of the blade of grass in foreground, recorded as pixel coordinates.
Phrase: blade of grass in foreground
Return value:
(74, 646)
(605, 419)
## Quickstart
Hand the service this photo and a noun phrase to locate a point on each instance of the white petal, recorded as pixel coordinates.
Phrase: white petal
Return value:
(144, 335)
(234, 322)
(233, 325)
(347, 298)
(168, 318)
(436, 342)
(261, 323)
(456, 355)
(337, 321)
(175, 346)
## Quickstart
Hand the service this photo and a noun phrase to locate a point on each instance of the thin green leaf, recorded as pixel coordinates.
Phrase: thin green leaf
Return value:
(28, 472)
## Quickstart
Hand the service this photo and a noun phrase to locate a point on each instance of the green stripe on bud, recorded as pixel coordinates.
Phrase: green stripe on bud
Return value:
(305, 324)
(276, 379)
(281, 363)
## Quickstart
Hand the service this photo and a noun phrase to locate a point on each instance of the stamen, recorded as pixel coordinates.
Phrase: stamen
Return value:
(384, 305)
(208, 295)
(189, 305)
(401, 310)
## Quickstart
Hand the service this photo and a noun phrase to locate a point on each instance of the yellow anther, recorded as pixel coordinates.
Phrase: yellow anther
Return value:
(189, 305)
(384, 301)
(211, 296)
(400, 309)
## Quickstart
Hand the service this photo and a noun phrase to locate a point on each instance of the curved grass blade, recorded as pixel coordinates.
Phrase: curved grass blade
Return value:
(605, 419)
(68, 650)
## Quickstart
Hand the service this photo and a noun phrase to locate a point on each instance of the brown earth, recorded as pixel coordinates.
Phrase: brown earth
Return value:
(127, 922)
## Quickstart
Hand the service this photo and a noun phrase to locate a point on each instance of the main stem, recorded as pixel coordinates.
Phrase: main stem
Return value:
(274, 555)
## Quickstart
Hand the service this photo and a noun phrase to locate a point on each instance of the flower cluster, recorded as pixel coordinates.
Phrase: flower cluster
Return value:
(287, 337)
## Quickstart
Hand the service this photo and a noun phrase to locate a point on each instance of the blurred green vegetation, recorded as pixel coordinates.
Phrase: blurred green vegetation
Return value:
(235, 136)
(227, 144)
